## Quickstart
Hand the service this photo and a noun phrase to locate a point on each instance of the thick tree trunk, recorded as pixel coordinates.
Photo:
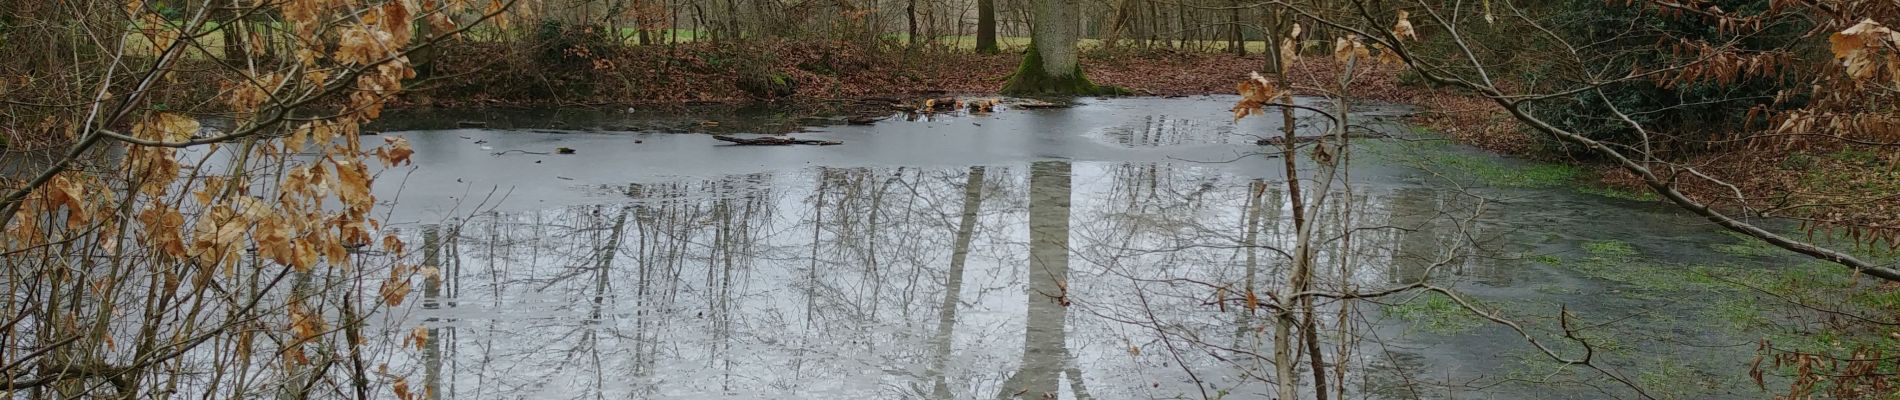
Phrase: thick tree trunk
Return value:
(235, 34)
(642, 23)
(986, 27)
(732, 20)
(1154, 25)
(1050, 67)
(1237, 40)
(910, 16)
(1054, 35)
(1118, 23)
(424, 58)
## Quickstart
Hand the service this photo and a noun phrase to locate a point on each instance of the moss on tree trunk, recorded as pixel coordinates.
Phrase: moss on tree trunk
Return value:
(1051, 66)
(1031, 79)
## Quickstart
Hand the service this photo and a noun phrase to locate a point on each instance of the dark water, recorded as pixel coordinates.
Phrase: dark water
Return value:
(1074, 252)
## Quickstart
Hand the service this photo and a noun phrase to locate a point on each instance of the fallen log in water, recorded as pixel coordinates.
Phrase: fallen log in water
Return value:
(1276, 140)
(1032, 104)
(774, 141)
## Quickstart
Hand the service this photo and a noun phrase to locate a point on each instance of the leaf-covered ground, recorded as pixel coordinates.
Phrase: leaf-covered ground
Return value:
(492, 74)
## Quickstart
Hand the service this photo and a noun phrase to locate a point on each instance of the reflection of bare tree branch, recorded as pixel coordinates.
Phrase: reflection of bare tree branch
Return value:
(953, 282)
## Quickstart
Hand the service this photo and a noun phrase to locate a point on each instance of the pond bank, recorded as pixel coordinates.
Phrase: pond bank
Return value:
(488, 74)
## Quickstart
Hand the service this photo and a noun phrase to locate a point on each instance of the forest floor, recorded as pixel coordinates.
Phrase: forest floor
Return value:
(783, 72)
(1774, 181)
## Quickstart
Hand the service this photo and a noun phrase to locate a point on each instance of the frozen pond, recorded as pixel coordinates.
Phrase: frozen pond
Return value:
(1088, 252)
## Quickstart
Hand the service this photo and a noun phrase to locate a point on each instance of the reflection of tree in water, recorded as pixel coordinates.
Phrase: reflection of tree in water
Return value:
(1164, 240)
(886, 283)
(1162, 130)
(1157, 241)
(1046, 358)
(702, 287)
(953, 282)
(562, 278)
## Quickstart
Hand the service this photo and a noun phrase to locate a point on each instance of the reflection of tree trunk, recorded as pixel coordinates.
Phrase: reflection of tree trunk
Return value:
(605, 257)
(1344, 258)
(1075, 377)
(1044, 347)
(723, 319)
(1252, 242)
(817, 227)
(811, 271)
(603, 264)
(432, 299)
(874, 271)
(953, 284)
(642, 295)
(1413, 210)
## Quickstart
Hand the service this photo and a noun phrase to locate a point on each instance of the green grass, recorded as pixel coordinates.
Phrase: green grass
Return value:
(1616, 193)
(1667, 378)
(1856, 156)
(1436, 313)
(1549, 260)
(1737, 314)
(1747, 246)
(1610, 249)
(1486, 169)
(1617, 261)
